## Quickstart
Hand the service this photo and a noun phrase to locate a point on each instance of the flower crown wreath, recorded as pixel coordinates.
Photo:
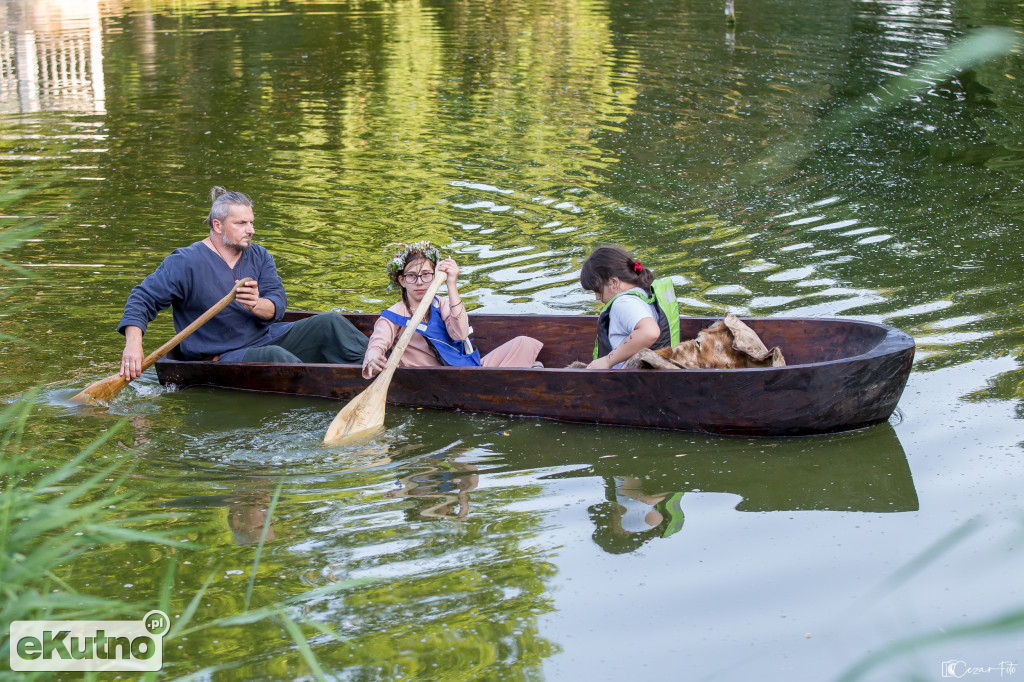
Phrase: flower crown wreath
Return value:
(421, 248)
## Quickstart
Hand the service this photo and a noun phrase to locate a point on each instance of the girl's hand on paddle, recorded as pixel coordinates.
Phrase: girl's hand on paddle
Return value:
(132, 357)
(451, 270)
(374, 363)
(248, 294)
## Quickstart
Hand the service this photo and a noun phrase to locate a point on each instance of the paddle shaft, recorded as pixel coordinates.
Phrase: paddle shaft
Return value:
(365, 412)
(106, 389)
(196, 324)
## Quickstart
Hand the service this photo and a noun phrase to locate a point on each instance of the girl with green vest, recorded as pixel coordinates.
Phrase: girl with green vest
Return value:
(640, 311)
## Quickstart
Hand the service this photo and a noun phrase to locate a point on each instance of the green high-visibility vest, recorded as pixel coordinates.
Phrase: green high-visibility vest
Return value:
(663, 298)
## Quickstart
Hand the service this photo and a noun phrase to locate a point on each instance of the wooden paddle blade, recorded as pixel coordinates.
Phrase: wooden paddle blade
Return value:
(102, 391)
(365, 412)
(363, 415)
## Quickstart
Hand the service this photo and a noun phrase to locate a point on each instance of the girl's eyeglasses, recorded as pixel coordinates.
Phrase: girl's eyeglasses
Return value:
(411, 278)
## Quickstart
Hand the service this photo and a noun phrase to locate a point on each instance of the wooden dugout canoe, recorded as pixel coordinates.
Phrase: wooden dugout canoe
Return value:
(840, 375)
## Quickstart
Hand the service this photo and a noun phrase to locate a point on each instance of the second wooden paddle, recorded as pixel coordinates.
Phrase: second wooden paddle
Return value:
(105, 390)
(365, 413)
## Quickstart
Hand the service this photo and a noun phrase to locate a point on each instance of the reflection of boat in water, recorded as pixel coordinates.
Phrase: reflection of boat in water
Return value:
(644, 483)
(864, 470)
(842, 374)
(449, 466)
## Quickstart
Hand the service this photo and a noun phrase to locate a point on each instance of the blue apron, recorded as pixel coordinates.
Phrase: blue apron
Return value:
(447, 350)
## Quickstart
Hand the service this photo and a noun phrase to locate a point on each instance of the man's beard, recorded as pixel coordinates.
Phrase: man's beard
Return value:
(240, 248)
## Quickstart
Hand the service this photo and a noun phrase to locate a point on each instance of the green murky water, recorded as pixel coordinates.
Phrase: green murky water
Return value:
(520, 135)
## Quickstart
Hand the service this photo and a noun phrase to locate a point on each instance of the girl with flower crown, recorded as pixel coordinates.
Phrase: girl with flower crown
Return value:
(443, 337)
(640, 311)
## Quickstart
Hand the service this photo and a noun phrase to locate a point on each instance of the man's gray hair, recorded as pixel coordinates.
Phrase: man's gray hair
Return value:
(223, 200)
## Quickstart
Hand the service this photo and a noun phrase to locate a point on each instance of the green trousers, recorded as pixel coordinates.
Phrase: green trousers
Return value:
(327, 337)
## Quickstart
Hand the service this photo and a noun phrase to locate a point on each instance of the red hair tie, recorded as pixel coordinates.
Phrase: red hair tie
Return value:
(637, 268)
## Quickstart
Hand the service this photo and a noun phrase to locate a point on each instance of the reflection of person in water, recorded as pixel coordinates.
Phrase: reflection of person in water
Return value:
(247, 511)
(446, 482)
(247, 515)
(630, 517)
(142, 433)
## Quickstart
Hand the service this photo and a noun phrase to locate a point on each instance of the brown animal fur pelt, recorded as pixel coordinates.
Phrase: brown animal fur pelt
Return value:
(726, 344)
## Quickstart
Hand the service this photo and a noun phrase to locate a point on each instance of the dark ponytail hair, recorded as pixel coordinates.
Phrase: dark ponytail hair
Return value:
(606, 262)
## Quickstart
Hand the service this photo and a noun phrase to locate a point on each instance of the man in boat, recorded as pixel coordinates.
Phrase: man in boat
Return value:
(192, 279)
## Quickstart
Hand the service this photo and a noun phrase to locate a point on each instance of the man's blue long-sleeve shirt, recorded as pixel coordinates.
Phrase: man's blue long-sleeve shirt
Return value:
(190, 281)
